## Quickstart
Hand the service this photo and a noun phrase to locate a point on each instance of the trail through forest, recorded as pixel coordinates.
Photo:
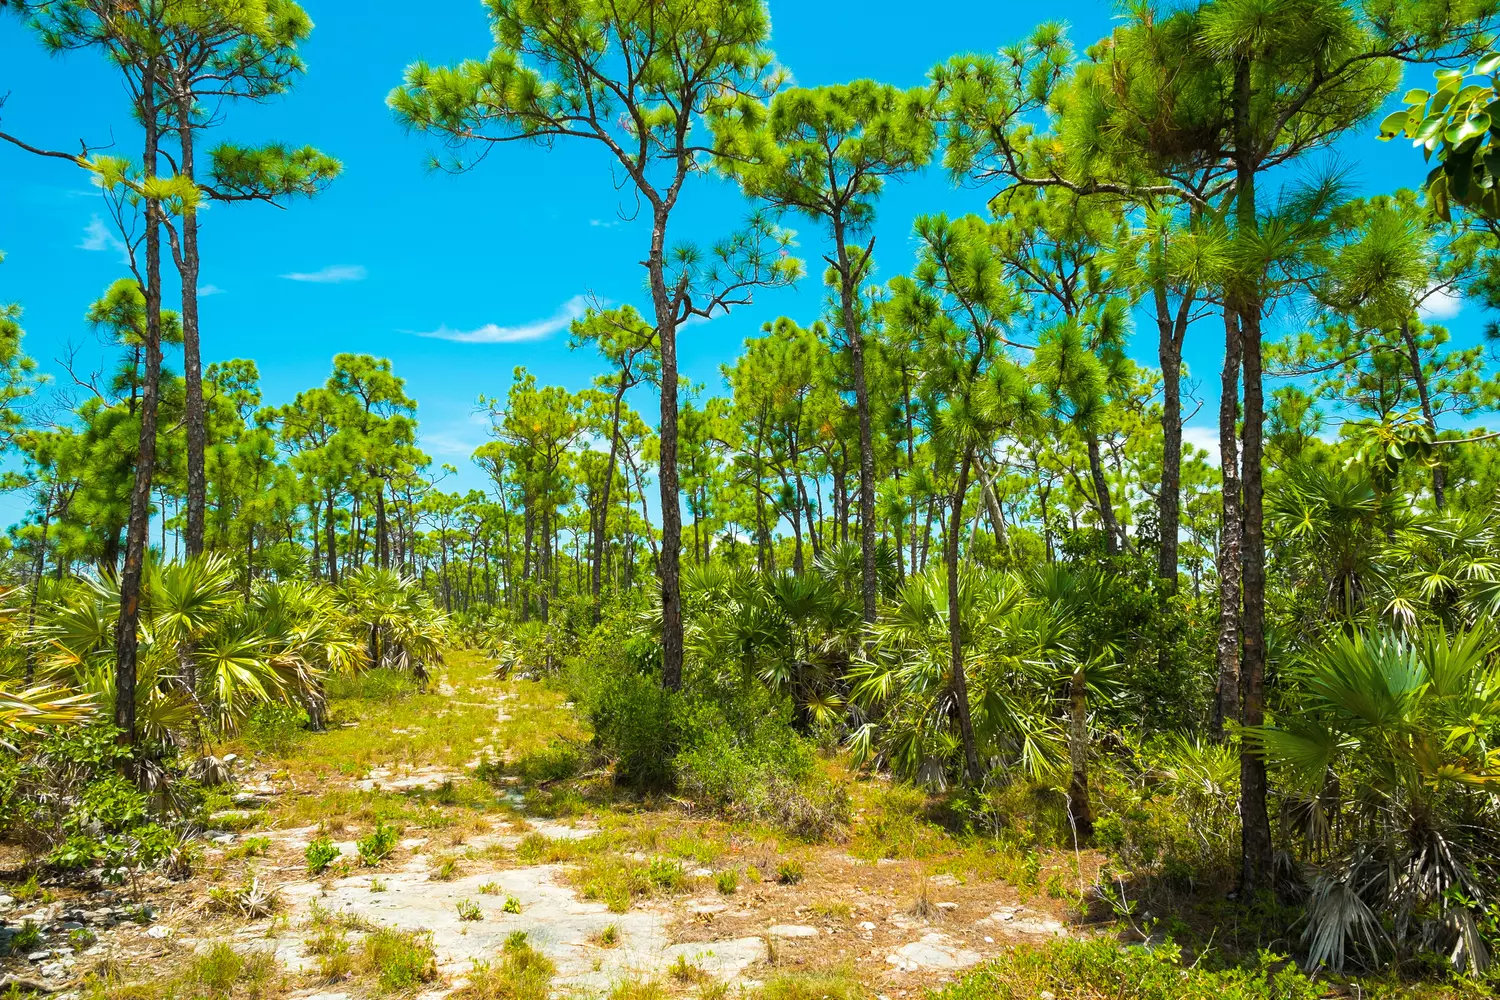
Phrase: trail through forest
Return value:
(478, 845)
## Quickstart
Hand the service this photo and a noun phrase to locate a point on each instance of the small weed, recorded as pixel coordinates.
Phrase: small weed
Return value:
(378, 845)
(667, 874)
(608, 937)
(320, 854)
(490, 888)
(752, 874)
(252, 898)
(727, 881)
(833, 910)
(921, 906)
(81, 938)
(512, 905)
(377, 885)
(826, 984)
(683, 971)
(637, 989)
(446, 870)
(27, 937)
(469, 910)
(713, 989)
(250, 847)
(25, 892)
(789, 871)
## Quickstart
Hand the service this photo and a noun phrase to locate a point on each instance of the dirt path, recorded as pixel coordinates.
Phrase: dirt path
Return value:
(610, 891)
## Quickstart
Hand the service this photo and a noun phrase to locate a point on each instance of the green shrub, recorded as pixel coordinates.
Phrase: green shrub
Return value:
(378, 845)
(320, 854)
(275, 728)
(523, 973)
(789, 871)
(1098, 969)
(727, 881)
(559, 759)
(399, 961)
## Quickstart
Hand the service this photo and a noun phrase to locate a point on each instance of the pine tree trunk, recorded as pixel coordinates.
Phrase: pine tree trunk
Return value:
(1169, 502)
(1227, 699)
(855, 337)
(1102, 499)
(1079, 807)
(1439, 476)
(955, 628)
(194, 415)
(126, 636)
(1257, 857)
(601, 530)
(669, 564)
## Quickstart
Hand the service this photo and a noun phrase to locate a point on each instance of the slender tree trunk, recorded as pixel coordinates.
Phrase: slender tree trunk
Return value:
(856, 339)
(126, 636)
(1257, 857)
(955, 627)
(1439, 475)
(669, 565)
(194, 415)
(1101, 494)
(601, 531)
(1227, 700)
(1079, 807)
(1171, 331)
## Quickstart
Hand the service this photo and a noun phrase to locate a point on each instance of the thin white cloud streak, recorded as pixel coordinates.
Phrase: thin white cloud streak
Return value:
(492, 333)
(98, 237)
(204, 291)
(332, 275)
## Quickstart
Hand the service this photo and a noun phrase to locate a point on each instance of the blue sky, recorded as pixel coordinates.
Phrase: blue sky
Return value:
(392, 252)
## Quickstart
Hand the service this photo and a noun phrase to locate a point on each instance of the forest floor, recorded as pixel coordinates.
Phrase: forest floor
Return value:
(628, 899)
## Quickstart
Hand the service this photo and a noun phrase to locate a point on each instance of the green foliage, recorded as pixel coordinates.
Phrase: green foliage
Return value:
(321, 853)
(378, 844)
(1101, 968)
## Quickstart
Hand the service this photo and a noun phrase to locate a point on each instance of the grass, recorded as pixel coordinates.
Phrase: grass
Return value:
(396, 962)
(637, 989)
(618, 881)
(823, 984)
(522, 973)
(469, 910)
(219, 973)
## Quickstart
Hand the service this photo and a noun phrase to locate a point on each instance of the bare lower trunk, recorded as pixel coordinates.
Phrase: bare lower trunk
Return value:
(1227, 698)
(194, 412)
(1101, 495)
(126, 636)
(972, 770)
(1256, 856)
(1169, 502)
(669, 565)
(1439, 475)
(1079, 808)
(855, 337)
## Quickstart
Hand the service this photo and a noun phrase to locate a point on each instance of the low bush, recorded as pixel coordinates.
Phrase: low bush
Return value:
(1101, 970)
(397, 961)
(320, 854)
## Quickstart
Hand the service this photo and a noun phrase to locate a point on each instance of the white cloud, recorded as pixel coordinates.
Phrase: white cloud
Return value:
(331, 275)
(1205, 438)
(602, 224)
(492, 333)
(1441, 305)
(97, 236)
(448, 444)
(204, 291)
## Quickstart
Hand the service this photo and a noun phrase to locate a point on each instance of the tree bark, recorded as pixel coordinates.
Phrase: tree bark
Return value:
(1172, 331)
(1257, 858)
(855, 337)
(601, 530)
(1079, 806)
(960, 680)
(1101, 494)
(195, 417)
(126, 636)
(1227, 700)
(669, 564)
(1439, 475)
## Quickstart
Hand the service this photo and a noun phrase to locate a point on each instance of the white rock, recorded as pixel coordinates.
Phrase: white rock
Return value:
(933, 951)
(947, 905)
(866, 925)
(792, 931)
(159, 932)
(701, 872)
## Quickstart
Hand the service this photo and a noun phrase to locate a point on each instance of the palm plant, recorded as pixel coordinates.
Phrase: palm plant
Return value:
(1395, 744)
(401, 627)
